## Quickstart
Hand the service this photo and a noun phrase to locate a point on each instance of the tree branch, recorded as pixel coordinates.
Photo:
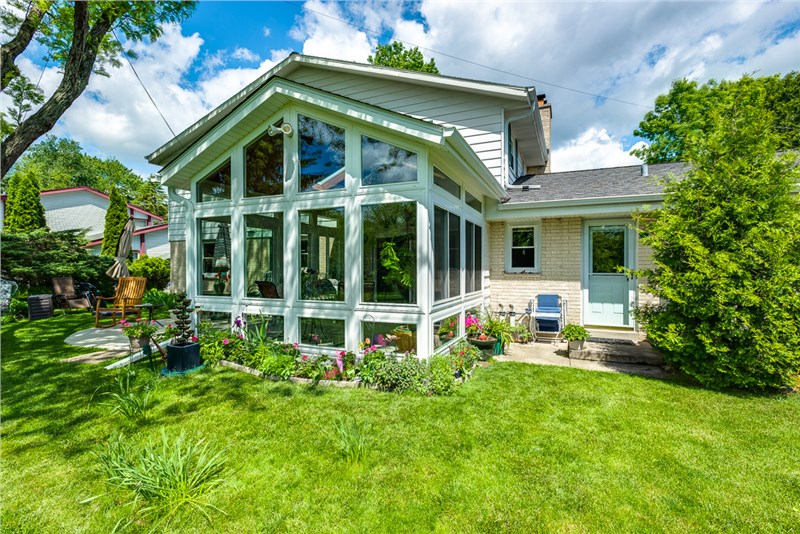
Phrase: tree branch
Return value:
(12, 49)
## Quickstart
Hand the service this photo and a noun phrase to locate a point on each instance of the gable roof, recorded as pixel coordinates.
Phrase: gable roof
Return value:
(100, 194)
(177, 145)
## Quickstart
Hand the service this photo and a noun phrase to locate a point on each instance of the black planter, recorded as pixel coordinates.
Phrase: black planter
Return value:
(183, 357)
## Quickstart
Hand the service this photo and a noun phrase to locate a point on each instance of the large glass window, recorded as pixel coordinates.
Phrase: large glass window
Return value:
(264, 255)
(443, 181)
(265, 326)
(321, 155)
(322, 270)
(216, 186)
(390, 252)
(523, 248)
(392, 337)
(323, 332)
(382, 163)
(263, 166)
(473, 202)
(446, 254)
(214, 234)
(473, 268)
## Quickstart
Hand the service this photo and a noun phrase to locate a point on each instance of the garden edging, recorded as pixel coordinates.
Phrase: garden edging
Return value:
(296, 380)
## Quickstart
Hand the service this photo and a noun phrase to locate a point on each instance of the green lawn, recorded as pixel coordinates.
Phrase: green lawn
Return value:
(519, 448)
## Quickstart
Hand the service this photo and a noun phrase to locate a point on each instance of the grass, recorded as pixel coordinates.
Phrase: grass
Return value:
(518, 448)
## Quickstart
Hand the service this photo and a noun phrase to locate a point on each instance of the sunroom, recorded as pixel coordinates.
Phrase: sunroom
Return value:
(329, 221)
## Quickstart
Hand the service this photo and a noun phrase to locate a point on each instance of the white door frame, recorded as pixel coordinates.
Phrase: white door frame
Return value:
(630, 261)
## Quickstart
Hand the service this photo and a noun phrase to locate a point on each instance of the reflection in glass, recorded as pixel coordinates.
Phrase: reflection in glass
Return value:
(322, 332)
(382, 163)
(216, 186)
(261, 326)
(263, 166)
(473, 201)
(322, 254)
(443, 181)
(264, 255)
(392, 337)
(445, 331)
(608, 248)
(214, 234)
(390, 252)
(322, 148)
(473, 268)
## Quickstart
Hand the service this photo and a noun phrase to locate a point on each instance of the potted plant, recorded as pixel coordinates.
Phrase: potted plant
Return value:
(183, 351)
(498, 329)
(139, 333)
(575, 334)
(475, 334)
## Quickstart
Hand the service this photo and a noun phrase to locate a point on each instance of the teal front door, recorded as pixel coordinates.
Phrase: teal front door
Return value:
(607, 301)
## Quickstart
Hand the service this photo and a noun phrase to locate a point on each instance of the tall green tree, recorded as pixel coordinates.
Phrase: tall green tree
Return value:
(681, 114)
(116, 217)
(397, 56)
(24, 95)
(726, 248)
(24, 211)
(76, 36)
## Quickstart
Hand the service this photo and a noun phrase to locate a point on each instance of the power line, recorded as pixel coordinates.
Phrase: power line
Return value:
(445, 54)
(142, 83)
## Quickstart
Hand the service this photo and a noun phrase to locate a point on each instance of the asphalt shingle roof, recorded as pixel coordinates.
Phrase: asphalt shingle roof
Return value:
(594, 183)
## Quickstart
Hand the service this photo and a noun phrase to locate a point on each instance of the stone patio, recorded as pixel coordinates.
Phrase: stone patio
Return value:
(112, 339)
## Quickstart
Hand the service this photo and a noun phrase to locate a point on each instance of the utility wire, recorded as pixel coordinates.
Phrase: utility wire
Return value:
(114, 33)
(432, 51)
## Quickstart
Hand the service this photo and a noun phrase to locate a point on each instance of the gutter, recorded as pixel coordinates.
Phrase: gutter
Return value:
(653, 197)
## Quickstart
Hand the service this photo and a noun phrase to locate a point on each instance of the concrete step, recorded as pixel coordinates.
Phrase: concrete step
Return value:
(618, 351)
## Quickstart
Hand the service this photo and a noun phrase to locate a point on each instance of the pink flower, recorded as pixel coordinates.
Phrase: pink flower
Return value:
(304, 358)
(296, 345)
(241, 336)
(341, 353)
(194, 338)
(225, 341)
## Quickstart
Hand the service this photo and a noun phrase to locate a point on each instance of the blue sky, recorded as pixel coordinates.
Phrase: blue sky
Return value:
(574, 52)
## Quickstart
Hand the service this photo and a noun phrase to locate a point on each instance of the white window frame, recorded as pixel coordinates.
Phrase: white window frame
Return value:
(537, 243)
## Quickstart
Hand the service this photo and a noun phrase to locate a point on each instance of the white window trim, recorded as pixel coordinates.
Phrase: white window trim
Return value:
(537, 243)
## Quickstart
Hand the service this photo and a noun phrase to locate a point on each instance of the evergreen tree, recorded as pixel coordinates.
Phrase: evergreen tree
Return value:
(116, 217)
(726, 248)
(24, 210)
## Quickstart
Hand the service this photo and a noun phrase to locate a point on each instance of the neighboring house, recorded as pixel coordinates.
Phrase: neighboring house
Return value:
(352, 201)
(84, 208)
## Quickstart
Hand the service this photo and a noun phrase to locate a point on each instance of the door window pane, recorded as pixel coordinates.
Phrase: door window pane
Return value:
(321, 155)
(263, 164)
(390, 252)
(217, 185)
(322, 270)
(608, 248)
(264, 255)
(322, 332)
(214, 234)
(382, 163)
(392, 337)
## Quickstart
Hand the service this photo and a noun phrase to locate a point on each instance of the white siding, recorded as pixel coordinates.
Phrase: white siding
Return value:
(177, 217)
(156, 244)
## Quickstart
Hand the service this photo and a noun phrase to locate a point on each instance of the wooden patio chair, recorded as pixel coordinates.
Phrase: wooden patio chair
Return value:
(130, 291)
(66, 296)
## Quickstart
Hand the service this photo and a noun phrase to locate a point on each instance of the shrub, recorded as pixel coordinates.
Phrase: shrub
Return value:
(370, 364)
(575, 332)
(405, 374)
(463, 357)
(440, 375)
(156, 270)
(352, 438)
(160, 299)
(164, 477)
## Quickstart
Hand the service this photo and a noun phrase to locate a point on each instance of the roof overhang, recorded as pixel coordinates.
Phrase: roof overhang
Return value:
(577, 207)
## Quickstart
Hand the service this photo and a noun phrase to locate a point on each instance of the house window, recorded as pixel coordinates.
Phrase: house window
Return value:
(264, 255)
(473, 202)
(443, 181)
(322, 332)
(263, 164)
(216, 186)
(446, 254)
(214, 234)
(382, 163)
(270, 326)
(445, 331)
(400, 337)
(390, 252)
(474, 268)
(322, 270)
(521, 249)
(322, 150)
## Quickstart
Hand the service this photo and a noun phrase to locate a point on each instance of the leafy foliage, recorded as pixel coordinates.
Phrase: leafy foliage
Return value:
(24, 95)
(127, 399)
(116, 217)
(681, 114)
(397, 56)
(161, 300)
(156, 270)
(726, 248)
(352, 438)
(34, 258)
(24, 211)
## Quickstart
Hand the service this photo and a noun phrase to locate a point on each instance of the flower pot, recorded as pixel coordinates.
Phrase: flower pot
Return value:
(576, 344)
(139, 343)
(483, 344)
(183, 357)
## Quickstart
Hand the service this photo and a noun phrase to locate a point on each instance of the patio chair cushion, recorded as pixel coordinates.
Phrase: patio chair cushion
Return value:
(547, 309)
(548, 301)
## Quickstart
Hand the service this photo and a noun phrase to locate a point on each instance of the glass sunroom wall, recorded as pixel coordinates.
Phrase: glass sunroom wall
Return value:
(264, 255)
(215, 249)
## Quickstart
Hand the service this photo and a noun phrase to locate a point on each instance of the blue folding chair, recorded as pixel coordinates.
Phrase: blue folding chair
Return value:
(548, 315)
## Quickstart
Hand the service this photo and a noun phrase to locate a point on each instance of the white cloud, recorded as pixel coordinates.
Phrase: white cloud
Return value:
(266, 31)
(592, 149)
(245, 54)
(323, 34)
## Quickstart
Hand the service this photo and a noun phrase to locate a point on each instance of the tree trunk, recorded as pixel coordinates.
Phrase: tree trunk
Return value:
(10, 50)
(77, 71)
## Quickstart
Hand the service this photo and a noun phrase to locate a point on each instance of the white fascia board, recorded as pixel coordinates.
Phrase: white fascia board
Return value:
(458, 147)
(573, 207)
(278, 86)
